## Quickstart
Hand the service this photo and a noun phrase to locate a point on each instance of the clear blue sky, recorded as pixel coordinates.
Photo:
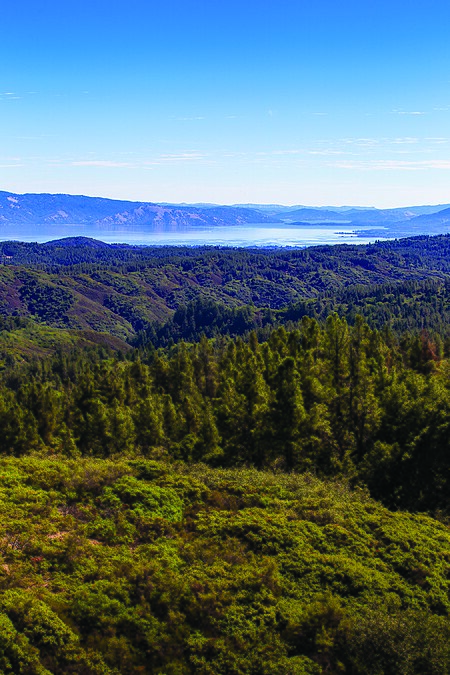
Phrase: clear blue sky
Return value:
(290, 102)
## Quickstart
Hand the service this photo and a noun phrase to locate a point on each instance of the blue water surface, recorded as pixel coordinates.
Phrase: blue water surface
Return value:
(249, 235)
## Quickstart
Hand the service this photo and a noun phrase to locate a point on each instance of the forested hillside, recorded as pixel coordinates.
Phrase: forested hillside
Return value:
(225, 462)
(336, 400)
(131, 292)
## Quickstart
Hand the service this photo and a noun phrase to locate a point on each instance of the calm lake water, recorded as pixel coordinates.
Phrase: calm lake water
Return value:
(252, 235)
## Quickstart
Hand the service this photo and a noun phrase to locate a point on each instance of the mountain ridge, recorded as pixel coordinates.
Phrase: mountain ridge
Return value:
(61, 209)
(70, 215)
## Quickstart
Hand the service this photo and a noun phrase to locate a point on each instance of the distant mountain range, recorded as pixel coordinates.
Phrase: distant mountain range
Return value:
(24, 212)
(47, 209)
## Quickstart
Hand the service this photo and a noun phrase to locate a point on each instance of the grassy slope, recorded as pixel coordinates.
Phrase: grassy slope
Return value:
(37, 341)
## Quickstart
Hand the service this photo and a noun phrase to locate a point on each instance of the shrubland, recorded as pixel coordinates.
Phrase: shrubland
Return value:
(150, 566)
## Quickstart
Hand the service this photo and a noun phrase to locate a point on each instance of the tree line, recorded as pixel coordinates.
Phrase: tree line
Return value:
(335, 399)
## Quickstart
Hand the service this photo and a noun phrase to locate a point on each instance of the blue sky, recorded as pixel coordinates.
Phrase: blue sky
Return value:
(231, 102)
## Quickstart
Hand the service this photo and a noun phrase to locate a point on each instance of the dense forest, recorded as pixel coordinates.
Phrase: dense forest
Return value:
(84, 292)
(242, 467)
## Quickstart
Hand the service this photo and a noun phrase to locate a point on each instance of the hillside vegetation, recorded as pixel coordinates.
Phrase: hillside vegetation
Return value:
(333, 400)
(145, 567)
(225, 462)
(131, 292)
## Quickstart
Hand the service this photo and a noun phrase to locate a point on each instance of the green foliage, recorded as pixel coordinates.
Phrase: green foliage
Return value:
(146, 500)
(157, 294)
(338, 400)
(45, 301)
(135, 536)
(142, 566)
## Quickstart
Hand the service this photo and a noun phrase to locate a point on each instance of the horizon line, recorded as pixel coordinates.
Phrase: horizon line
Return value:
(234, 204)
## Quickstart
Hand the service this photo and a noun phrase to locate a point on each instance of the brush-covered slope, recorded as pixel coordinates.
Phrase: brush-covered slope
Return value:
(137, 566)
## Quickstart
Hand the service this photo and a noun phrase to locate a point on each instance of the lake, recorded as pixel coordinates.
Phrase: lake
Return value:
(249, 235)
